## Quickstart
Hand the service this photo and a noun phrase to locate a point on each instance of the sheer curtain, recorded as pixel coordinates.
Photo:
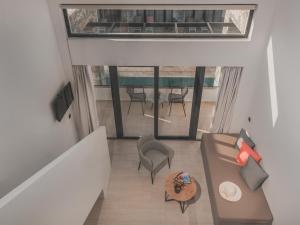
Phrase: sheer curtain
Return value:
(229, 86)
(85, 105)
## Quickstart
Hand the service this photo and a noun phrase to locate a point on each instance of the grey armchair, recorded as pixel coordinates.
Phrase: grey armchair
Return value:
(153, 155)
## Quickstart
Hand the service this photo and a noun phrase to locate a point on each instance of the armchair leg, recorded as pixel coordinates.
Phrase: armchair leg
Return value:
(152, 177)
(139, 165)
(169, 163)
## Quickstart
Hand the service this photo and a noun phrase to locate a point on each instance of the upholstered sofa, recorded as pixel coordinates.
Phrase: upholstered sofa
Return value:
(218, 154)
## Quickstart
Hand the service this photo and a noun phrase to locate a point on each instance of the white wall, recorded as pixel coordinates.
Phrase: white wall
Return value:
(275, 115)
(96, 51)
(31, 73)
(64, 191)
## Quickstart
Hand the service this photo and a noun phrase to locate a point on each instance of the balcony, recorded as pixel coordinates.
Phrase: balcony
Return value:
(138, 118)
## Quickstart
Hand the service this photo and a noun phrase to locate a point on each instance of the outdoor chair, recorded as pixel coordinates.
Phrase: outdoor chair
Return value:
(178, 98)
(136, 97)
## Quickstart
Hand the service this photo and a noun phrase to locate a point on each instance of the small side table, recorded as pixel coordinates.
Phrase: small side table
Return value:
(187, 193)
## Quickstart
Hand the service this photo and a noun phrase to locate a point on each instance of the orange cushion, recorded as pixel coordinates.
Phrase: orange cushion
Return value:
(244, 153)
(242, 158)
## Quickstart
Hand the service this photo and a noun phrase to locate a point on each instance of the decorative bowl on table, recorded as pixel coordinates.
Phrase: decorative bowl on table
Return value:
(180, 180)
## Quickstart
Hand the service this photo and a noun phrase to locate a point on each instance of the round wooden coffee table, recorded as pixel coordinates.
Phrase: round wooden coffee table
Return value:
(187, 193)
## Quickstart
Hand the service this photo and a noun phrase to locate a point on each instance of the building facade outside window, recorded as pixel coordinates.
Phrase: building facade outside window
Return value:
(198, 21)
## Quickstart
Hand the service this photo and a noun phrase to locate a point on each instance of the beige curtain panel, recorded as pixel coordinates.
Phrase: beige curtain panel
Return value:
(85, 105)
(229, 86)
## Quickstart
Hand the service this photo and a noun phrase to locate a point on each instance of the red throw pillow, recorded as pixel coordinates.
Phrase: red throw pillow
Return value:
(242, 158)
(244, 153)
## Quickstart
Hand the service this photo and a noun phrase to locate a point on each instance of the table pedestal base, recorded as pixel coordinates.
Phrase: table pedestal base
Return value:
(183, 204)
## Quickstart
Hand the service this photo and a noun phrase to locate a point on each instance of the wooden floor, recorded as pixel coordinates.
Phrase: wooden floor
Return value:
(135, 123)
(133, 200)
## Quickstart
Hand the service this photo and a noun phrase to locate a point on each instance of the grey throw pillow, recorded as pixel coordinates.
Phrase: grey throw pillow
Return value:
(253, 174)
(245, 137)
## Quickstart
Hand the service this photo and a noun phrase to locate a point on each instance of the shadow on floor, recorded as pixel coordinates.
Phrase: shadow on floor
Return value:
(197, 196)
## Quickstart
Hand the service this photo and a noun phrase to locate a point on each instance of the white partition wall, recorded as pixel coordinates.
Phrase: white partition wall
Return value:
(64, 191)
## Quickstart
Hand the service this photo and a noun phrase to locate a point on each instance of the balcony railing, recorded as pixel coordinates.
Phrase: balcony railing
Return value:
(159, 28)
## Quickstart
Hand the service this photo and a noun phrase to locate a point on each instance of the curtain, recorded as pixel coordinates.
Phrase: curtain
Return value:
(84, 99)
(229, 86)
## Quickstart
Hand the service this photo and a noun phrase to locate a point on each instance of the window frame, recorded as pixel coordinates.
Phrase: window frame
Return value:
(251, 7)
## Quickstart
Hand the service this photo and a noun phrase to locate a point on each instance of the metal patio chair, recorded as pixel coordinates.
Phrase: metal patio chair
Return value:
(178, 98)
(136, 97)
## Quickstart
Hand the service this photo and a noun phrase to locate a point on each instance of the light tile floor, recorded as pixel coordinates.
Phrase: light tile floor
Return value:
(133, 200)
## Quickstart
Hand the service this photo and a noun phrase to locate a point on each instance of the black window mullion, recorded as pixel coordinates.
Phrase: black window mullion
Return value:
(68, 27)
(113, 74)
(156, 99)
(197, 95)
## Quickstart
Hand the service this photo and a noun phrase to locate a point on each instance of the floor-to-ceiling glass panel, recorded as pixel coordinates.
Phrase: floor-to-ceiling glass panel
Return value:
(176, 87)
(209, 100)
(105, 110)
(137, 100)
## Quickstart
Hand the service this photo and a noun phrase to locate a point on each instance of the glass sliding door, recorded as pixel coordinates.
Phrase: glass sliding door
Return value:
(176, 87)
(136, 100)
(104, 103)
(209, 100)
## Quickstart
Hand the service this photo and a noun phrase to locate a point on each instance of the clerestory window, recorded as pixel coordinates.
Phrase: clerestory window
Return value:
(159, 21)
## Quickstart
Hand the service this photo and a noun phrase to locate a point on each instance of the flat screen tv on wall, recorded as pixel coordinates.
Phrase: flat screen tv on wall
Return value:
(68, 94)
(62, 101)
